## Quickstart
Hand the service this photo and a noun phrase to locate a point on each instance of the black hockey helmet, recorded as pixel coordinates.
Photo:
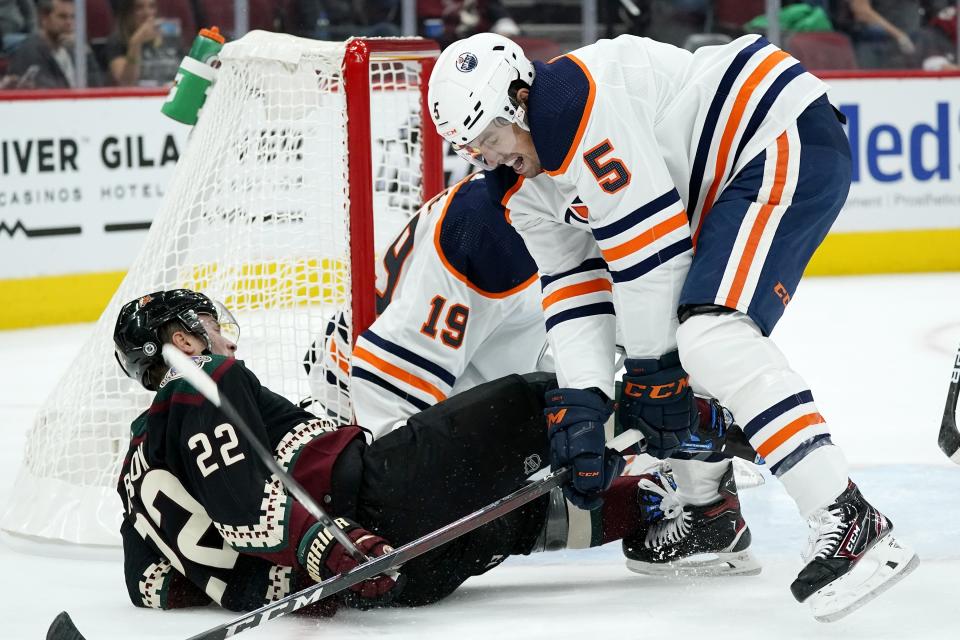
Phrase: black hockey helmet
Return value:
(136, 334)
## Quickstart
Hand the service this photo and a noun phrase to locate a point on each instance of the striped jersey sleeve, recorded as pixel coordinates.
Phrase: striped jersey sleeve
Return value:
(576, 286)
(612, 160)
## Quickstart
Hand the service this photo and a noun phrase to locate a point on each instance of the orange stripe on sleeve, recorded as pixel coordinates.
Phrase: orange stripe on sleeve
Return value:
(362, 354)
(647, 237)
(579, 289)
(753, 240)
(788, 431)
(572, 151)
(730, 129)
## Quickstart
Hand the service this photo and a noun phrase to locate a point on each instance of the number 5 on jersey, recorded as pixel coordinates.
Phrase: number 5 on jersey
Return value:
(456, 321)
(611, 174)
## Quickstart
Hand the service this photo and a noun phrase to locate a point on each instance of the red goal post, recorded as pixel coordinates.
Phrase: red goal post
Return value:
(356, 62)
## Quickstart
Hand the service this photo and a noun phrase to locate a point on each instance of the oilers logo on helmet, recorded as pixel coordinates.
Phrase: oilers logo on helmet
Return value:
(467, 62)
(468, 90)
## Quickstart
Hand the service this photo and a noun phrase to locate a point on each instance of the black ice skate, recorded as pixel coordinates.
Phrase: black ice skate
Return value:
(852, 557)
(710, 540)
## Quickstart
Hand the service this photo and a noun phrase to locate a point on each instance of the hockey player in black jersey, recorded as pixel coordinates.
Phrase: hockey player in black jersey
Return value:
(202, 521)
(205, 522)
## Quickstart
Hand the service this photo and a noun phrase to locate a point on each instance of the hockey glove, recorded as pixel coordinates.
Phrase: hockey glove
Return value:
(323, 557)
(575, 419)
(656, 399)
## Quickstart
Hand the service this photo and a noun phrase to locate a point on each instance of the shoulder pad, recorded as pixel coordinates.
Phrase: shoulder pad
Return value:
(559, 105)
(139, 424)
(478, 245)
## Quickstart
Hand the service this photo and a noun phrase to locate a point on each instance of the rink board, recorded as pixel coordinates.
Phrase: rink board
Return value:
(83, 177)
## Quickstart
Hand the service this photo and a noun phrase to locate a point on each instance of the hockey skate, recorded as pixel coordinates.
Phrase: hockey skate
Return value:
(710, 540)
(852, 557)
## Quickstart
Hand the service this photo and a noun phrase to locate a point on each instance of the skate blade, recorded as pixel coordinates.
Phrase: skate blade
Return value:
(741, 563)
(889, 562)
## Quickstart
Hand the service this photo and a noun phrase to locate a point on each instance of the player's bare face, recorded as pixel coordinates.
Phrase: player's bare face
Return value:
(220, 343)
(507, 144)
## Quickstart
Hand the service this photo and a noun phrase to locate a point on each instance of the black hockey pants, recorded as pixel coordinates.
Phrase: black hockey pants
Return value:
(449, 460)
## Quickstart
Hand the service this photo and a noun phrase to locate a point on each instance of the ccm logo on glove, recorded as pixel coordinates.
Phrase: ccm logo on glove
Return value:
(656, 391)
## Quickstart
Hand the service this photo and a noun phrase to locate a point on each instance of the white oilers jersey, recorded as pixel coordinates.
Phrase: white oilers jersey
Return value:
(644, 136)
(458, 306)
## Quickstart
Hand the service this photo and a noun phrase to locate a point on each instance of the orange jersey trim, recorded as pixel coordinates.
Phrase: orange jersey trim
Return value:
(506, 198)
(646, 238)
(733, 123)
(753, 240)
(453, 271)
(581, 211)
(587, 109)
(789, 431)
(342, 362)
(418, 383)
(579, 289)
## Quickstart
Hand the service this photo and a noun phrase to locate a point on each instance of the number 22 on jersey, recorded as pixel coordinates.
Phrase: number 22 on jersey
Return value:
(224, 433)
(455, 321)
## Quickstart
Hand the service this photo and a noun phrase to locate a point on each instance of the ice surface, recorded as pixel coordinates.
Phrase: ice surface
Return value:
(877, 353)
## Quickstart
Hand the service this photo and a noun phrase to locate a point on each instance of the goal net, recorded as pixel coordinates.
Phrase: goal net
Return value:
(306, 157)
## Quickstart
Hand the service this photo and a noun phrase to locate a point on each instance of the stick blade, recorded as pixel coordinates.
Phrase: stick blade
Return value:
(949, 437)
(949, 440)
(62, 628)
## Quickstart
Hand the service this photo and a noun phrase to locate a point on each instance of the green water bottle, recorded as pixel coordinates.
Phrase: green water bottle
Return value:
(194, 78)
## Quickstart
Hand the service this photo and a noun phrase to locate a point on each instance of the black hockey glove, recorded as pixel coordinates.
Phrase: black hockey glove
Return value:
(323, 557)
(656, 399)
(575, 419)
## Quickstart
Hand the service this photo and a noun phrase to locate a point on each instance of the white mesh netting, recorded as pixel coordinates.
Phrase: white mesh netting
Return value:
(256, 215)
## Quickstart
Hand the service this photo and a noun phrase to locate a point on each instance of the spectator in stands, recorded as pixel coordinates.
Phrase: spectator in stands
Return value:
(463, 18)
(18, 19)
(45, 60)
(144, 50)
(938, 40)
(341, 19)
(883, 31)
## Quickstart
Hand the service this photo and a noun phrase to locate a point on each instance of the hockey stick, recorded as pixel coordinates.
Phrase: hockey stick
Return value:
(949, 439)
(63, 627)
(203, 383)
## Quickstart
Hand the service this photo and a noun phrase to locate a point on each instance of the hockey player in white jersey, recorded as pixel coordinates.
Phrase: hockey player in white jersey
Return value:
(709, 179)
(458, 304)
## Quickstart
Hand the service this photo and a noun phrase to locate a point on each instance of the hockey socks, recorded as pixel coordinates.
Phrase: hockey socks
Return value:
(568, 527)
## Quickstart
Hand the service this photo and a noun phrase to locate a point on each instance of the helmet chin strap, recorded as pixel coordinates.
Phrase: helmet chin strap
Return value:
(520, 119)
(191, 322)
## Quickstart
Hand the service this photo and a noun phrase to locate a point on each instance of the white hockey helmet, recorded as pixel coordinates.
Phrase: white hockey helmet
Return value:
(470, 86)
